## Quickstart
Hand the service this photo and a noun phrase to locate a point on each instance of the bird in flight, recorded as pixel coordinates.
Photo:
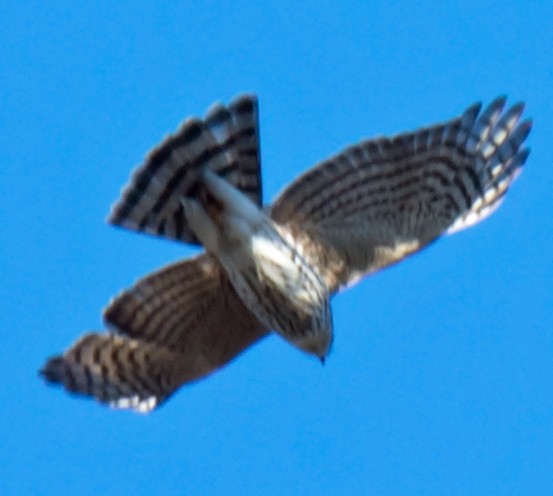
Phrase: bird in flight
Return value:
(275, 268)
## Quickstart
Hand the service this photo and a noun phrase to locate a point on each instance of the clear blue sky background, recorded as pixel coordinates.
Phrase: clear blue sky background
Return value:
(440, 382)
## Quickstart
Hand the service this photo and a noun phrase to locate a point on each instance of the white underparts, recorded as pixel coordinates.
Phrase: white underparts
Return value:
(278, 265)
(274, 281)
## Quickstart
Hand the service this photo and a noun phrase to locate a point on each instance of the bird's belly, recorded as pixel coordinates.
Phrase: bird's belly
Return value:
(283, 291)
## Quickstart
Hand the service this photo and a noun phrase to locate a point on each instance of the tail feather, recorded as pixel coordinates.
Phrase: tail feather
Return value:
(226, 142)
(232, 128)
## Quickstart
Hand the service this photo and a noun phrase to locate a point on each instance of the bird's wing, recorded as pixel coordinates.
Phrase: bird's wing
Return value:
(226, 141)
(172, 327)
(376, 202)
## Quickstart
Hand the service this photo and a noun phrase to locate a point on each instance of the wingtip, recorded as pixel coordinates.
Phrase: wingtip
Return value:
(499, 101)
(522, 156)
(522, 131)
(111, 219)
(527, 124)
(475, 108)
(52, 370)
(518, 107)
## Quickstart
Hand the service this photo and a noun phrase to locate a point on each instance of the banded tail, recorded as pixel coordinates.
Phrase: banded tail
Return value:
(226, 142)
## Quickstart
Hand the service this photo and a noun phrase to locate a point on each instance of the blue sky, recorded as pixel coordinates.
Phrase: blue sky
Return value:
(440, 381)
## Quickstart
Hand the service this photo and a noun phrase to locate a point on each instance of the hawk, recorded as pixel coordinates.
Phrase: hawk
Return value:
(275, 268)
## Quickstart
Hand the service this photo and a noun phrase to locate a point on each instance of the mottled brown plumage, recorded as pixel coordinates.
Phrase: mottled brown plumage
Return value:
(277, 268)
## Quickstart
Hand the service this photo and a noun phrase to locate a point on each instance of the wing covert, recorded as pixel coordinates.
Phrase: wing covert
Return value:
(189, 306)
(384, 198)
(172, 327)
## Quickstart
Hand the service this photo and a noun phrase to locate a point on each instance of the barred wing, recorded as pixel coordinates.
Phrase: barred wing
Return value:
(226, 141)
(378, 201)
(121, 372)
(171, 328)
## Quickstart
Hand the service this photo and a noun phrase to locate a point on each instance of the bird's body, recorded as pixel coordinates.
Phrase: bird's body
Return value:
(276, 268)
(276, 283)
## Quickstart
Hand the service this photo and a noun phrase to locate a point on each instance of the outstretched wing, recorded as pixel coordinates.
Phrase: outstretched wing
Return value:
(226, 141)
(172, 327)
(378, 201)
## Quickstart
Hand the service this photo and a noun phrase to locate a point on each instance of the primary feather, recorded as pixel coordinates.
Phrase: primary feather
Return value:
(367, 207)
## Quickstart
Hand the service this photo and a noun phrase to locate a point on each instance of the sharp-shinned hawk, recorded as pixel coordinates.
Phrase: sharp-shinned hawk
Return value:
(276, 268)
